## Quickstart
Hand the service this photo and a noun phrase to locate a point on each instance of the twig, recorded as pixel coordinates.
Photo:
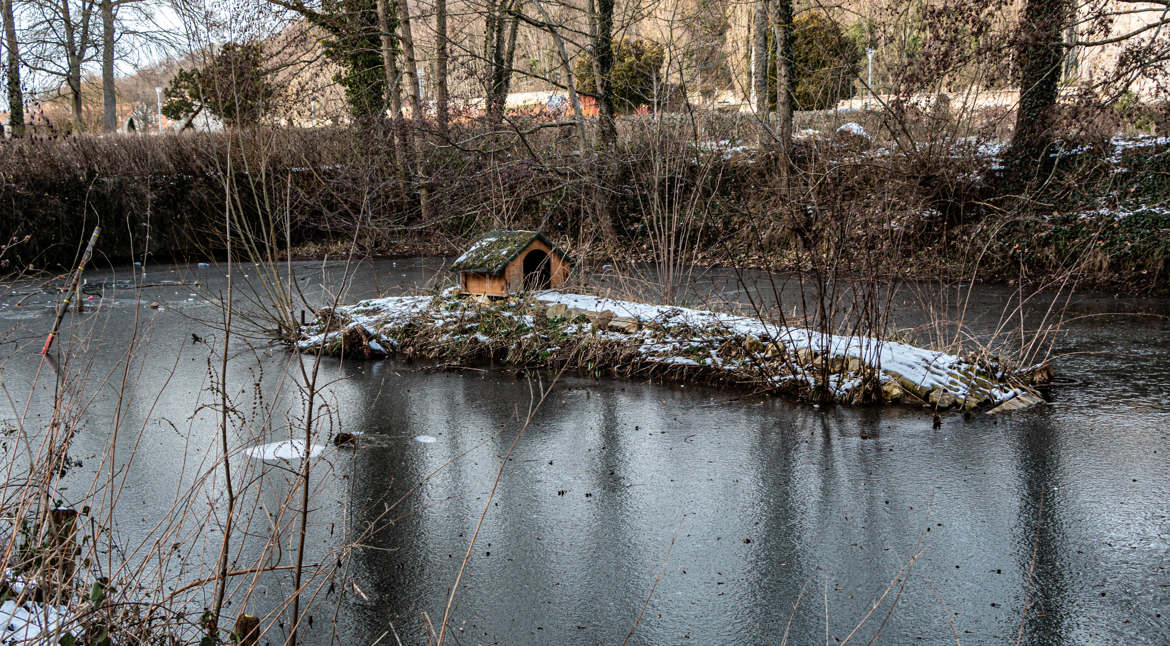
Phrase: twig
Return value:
(657, 578)
(1031, 569)
(487, 504)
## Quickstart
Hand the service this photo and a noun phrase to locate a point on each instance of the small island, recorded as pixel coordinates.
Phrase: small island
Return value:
(600, 336)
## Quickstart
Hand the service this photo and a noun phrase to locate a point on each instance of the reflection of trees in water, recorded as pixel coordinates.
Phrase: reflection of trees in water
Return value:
(406, 547)
(1040, 528)
(777, 563)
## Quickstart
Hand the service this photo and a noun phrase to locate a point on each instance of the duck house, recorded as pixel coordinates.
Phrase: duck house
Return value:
(506, 262)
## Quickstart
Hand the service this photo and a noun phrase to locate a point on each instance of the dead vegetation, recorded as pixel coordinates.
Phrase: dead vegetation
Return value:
(687, 189)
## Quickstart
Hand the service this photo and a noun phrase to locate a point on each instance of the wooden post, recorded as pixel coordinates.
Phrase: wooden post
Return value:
(73, 286)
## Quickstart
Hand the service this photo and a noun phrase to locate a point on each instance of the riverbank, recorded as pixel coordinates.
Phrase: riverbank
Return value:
(927, 209)
(602, 336)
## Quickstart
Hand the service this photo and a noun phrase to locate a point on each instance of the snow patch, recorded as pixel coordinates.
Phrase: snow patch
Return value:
(30, 623)
(286, 450)
(853, 128)
(476, 249)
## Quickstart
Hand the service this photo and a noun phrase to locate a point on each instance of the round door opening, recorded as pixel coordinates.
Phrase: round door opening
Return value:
(537, 270)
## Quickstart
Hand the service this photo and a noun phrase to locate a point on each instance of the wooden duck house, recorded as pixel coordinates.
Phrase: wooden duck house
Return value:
(506, 262)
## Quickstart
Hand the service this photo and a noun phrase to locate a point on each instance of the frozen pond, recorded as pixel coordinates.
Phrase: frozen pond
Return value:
(739, 506)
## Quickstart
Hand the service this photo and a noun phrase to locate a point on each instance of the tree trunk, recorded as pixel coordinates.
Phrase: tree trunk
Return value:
(109, 91)
(497, 96)
(509, 57)
(603, 53)
(759, 91)
(500, 45)
(74, 82)
(1039, 52)
(570, 82)
(607, 124)
(15, 93)
(77, 45)
(442, 99)
(785, 74)
(490, 38)
(414, 92)
(386, 29)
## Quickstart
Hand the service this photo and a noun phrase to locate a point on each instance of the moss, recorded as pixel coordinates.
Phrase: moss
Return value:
(491, 253)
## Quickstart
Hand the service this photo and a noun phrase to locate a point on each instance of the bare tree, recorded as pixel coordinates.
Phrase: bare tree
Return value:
(387, 25)
(603, 60)
(406, 40)
(570, 82)
(109, 91)
(501, 21)
(759, 89)
(15, 93)
(386, 30)
(61, 42)
(442, 97)
(601, 19)
(414, 92)
(1138, 31)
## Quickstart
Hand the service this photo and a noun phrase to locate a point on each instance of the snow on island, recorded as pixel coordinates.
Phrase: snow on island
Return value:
(31, 622)
(629, 339)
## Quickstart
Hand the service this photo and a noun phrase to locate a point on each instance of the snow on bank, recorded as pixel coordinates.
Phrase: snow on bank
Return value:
(393, 311)
(853, 128)
(1122, 212)
(727, 149)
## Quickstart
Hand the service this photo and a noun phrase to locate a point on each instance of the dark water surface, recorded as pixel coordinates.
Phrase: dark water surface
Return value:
(731, 509)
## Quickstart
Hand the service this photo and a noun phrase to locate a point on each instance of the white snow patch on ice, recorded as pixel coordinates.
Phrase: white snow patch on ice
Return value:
(286, 450)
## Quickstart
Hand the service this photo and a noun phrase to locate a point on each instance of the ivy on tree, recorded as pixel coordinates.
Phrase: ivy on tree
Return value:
(354, 43)
(351, 38)
(233, 86)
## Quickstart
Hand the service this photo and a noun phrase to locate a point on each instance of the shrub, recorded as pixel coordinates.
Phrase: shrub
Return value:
(636, 65)
(233, 85)
(826, 60)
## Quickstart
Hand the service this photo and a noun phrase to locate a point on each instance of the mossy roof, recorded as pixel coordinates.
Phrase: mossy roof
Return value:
(492, 253)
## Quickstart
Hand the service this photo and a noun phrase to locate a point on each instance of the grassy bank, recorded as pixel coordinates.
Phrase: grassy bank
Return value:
(682, 190)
